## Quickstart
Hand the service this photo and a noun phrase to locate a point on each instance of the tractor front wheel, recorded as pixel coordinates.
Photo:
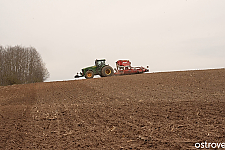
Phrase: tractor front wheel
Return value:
(107, 71)
(89, 74)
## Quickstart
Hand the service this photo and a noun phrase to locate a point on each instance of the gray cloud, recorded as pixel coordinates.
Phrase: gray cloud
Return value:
(70, 35)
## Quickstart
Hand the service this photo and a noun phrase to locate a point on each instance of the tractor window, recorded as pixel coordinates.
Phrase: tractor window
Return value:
(100, 63)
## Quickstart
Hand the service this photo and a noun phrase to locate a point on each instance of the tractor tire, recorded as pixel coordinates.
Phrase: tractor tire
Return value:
(107, 71)
(89, 74)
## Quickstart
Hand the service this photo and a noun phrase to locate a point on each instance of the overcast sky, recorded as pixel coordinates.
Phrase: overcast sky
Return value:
(167, 35)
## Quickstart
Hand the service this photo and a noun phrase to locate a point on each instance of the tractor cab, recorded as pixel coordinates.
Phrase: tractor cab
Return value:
(100, 63)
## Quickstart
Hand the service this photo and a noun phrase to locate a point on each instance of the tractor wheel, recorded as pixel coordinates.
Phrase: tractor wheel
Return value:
(89, 74)
(107, 71)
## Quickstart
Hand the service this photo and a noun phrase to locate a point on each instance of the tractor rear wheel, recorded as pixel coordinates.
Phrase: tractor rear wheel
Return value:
(89, 74)
(107, 71)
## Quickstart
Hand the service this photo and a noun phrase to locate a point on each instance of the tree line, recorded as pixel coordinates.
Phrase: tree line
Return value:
(20, 65)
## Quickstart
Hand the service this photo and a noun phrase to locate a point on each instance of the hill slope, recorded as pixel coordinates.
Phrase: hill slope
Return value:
(147, 111)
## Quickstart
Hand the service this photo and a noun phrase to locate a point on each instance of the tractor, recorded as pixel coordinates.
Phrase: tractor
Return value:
(100, 68)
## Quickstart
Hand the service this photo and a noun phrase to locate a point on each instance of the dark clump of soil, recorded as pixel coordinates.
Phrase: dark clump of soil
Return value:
(172, 110)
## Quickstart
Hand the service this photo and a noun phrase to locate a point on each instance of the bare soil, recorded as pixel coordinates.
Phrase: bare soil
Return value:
(171, 110)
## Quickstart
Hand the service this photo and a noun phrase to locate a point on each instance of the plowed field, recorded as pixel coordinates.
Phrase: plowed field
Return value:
(171, 110)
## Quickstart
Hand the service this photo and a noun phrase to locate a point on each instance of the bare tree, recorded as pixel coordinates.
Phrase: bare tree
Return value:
(1, 64)
(21, 65)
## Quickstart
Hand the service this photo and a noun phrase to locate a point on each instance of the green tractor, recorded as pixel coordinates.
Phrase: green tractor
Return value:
(100, 68)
